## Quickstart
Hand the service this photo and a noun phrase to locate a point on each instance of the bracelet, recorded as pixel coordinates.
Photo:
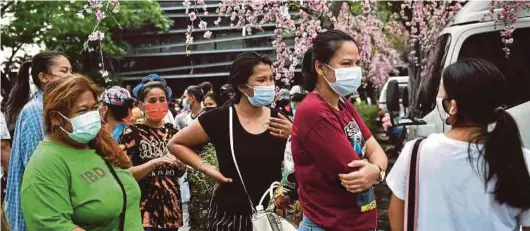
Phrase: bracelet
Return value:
(200, 165)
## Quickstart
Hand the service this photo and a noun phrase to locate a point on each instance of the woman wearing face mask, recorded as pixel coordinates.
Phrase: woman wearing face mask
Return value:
(116, 107)
(155, 169)
(336, 157)
(78, 177)
(475, 176)
(258, 146)
(210, 101)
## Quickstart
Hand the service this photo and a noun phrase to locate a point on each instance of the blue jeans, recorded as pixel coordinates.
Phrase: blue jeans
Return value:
(307, 225)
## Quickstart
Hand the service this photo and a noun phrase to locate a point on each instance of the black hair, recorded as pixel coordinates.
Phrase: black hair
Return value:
(121, 112)
(206, 87)
(151, 85)
(298, 97)
(19, 95)
(196, 92)
(479, 89)
(324, 47)
(225, 94)
(212, 96)
(6, 89)
(242, 68)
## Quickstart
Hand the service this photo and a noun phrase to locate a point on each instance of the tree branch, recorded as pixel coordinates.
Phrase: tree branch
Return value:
(4, 7)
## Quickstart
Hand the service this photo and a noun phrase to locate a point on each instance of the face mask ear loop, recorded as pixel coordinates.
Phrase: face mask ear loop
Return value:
(64, 130)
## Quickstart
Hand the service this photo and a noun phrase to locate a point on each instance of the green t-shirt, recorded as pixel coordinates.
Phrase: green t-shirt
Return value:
(63, 187)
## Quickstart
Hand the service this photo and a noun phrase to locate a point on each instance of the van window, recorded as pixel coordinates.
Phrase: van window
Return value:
(430, 82)
(516, 67)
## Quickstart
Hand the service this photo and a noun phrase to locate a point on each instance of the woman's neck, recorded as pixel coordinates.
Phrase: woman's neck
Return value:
(69, 143)
(466, 134)
(247, 110)
(154, 124)
(329, 96)
(112, 123)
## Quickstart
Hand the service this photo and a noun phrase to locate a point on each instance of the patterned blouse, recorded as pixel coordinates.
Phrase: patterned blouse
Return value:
(160, 205)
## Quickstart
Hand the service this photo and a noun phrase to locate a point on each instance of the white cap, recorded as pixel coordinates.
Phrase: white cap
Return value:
(296, 90)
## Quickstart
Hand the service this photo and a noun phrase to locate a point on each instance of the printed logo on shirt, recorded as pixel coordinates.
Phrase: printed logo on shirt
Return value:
(152, 149)
(163, 172)
(365, 200)
(355, 136)
(93, 175)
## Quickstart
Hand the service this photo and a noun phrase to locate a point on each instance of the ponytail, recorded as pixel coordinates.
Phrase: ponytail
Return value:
(19, 95)
(505, 161)
(308, 70)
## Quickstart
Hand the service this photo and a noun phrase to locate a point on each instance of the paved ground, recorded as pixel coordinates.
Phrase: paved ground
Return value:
(382, 191)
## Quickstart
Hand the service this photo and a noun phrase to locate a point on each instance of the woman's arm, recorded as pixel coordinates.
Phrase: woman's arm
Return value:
(141, 171)
(396, 213)
(368, 171)
(191, 136)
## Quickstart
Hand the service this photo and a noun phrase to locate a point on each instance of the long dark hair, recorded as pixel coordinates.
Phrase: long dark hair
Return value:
(242, 68)
(479, 89)
(324, 47)
(19, 94)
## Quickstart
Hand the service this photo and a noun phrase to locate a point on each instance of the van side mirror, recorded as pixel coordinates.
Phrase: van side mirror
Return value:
(392, 96)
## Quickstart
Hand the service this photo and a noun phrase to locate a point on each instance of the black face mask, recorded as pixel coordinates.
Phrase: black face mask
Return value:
(209, 108)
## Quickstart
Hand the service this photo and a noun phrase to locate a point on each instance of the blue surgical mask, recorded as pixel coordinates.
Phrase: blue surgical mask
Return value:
(263, 96)
(85, 127)
(293, 108)
(347, 80)
(186, 105)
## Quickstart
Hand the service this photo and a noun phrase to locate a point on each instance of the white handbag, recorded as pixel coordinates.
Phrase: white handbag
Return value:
(261, 220)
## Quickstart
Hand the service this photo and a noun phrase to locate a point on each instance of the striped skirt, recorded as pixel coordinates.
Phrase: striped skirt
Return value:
(220, 220)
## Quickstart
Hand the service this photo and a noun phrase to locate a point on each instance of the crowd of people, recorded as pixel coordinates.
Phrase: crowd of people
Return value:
(82, 158)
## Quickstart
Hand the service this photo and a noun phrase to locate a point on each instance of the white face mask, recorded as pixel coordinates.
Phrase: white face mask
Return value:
(85, 127)
(441, 110)
(347, 80)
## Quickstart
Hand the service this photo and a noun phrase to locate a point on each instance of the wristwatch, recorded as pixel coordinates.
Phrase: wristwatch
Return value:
(382, 173)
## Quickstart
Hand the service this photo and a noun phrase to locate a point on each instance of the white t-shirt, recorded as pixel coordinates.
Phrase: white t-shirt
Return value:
(451, 193)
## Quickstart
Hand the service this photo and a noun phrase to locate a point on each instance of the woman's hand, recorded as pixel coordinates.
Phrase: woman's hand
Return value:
(167, 159)
(361, 179)
(214, 174)
(280, 127)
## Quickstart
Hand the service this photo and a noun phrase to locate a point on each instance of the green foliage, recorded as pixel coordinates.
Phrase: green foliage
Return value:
(202, 188)
(369, 114)
(56, 25)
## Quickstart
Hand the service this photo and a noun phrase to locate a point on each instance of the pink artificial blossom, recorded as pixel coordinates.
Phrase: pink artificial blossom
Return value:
(207, 34)
(97, 35)
(192, 16)
(100, 15)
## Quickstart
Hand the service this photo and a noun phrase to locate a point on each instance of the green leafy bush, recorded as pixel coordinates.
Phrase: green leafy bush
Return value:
(369, 114)
(202, 188)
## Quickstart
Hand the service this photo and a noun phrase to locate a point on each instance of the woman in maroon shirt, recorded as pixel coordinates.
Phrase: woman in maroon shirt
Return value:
(336, 157)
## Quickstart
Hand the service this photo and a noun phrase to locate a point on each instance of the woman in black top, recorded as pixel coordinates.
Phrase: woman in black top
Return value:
(260, 135)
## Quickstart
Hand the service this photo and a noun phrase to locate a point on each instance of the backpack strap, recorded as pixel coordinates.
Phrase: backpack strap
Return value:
(411, 201)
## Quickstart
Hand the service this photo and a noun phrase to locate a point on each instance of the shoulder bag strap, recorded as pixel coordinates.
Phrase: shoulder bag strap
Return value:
(231, 129)
(411, 201)
(124, 207)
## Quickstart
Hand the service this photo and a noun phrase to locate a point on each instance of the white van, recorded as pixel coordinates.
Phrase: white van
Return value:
(473, 34)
